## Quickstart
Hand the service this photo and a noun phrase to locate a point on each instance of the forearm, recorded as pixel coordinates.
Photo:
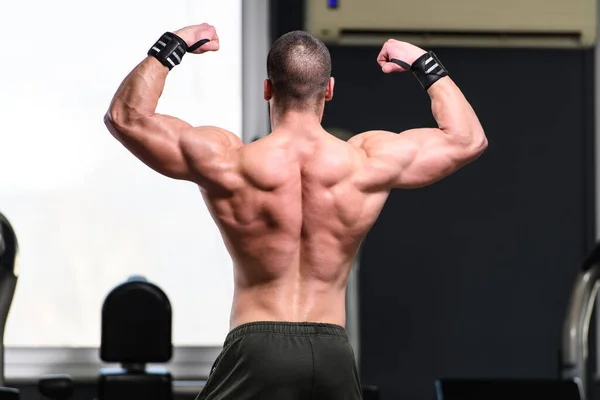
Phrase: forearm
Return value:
(137, 96)
(453, 113)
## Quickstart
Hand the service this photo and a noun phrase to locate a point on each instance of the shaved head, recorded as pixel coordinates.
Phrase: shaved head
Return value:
(299, 68)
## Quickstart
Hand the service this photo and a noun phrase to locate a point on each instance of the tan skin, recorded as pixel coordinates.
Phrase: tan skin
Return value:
(294, 206)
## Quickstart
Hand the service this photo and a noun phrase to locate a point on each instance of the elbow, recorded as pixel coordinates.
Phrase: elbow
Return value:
(471, 144)
(108, 120)
(117, 122)
(477, 144)
(111, 124)
(115, 118)
(481, 142)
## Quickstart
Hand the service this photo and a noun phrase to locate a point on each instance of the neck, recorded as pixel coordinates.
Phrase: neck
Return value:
(292, 119)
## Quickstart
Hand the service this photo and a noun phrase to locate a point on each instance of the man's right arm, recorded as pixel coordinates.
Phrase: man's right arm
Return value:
(419, 157)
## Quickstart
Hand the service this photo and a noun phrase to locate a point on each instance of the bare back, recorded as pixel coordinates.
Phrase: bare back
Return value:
(293, 224)
(294, 207)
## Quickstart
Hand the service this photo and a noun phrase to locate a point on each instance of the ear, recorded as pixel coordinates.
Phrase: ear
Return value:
(268, 91)
(330, 86)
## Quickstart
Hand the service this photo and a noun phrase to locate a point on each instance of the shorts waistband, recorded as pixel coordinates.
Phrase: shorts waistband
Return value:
(286, 328)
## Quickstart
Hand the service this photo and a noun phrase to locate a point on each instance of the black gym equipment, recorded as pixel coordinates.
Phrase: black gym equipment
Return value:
(503, 389)
(56, 387)
(9, 394)
(9, 250)
(136, 330)
(370, 392)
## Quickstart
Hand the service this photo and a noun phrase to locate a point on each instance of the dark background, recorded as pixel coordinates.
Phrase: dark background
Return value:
(470, 278)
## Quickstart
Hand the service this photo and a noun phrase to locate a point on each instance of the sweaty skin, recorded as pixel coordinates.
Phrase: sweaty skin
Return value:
(294, 206)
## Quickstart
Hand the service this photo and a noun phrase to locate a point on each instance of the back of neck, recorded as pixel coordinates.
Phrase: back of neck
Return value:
(296, 120)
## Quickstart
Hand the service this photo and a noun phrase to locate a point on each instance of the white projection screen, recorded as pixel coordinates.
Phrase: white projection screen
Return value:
(87, 213)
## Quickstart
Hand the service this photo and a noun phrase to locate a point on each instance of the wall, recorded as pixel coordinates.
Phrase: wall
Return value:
(470, 277)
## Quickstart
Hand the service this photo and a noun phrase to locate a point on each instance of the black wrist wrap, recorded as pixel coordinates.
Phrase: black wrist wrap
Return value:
(169, 50)
(428, 69)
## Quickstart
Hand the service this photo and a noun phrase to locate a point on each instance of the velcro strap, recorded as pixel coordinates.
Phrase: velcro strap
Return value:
(169, 49)
(428, 69)
(197, 45)
(400, 63)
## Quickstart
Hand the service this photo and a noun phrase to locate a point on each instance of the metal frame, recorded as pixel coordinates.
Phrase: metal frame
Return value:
(576, 328)
(353, 309)
(597, 164)
(256, 41)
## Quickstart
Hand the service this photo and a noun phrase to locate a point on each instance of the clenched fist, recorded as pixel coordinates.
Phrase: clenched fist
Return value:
(396, 50)
(195, 33)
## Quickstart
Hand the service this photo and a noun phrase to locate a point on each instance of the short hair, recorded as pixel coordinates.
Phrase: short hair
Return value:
(299, 68)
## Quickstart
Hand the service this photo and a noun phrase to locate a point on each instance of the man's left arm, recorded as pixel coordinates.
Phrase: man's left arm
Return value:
(204, 155)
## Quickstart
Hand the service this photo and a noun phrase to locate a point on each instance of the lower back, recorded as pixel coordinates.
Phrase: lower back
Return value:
(289, 299)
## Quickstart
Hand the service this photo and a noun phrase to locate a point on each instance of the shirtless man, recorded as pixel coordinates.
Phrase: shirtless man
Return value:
(294, 206)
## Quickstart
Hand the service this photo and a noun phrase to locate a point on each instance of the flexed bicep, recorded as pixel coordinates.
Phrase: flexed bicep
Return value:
(412, 159)
(419, 157)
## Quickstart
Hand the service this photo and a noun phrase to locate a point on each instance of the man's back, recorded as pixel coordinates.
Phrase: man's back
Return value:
(293, 222)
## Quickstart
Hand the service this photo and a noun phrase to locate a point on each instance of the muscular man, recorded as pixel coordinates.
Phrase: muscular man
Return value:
(294, 206)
